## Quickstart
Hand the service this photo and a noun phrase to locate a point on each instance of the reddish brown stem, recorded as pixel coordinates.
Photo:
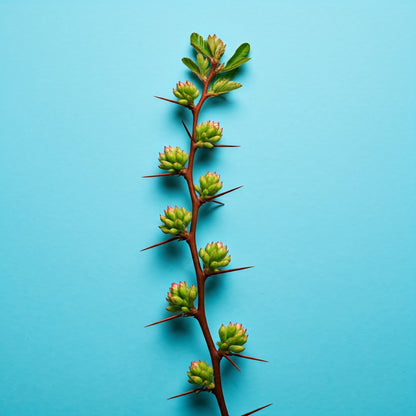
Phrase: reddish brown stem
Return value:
(191, 240)
(254, 411)
(159, 244)
(166, 319)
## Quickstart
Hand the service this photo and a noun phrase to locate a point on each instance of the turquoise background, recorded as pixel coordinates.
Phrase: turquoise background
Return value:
(327, 215)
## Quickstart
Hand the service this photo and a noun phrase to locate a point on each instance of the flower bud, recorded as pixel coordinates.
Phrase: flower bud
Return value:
(181, 297)
(186, 93)
(214, 256)
(175, 221)
(232, 338)
(207, 134)
(173, 159)
(216, 46)
(209, 185)
(201, 373)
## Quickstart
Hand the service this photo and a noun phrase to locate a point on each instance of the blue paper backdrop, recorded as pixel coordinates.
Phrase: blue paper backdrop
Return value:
(326, 120)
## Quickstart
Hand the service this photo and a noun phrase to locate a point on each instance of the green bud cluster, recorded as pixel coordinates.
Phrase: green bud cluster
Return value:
(216, 47)
(232, 337)
(173, 159)
(201, 373)
(207, 134)
(181, 297)
(186, 93)
(209, 185)
(214, 256)
(175, 220)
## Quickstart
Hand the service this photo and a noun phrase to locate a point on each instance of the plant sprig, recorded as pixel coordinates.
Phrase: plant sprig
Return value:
(216, 79)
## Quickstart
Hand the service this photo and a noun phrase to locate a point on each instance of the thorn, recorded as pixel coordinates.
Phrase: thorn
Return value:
(186, 128)
(246, 356)
(254, 411)
(159, 244)
(160, 174)
(217, 202)
(184, 394)
(172, 101)
(231, 361)
(208, 273)
(222, 193)
(226, 145)
(166, 319)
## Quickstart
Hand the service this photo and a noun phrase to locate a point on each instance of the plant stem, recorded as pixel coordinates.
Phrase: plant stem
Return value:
(191, 240)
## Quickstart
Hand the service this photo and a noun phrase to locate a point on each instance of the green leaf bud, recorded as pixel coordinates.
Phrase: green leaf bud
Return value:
(223, 332)
(232, 338)
(214, 256)
(193, 292)
(209, 185)
(231, 330)
(197, 380)
(175, 221)
(216, 47)
(176, 300)
(201, 374)
(236, 348)
(203, 64)
(173, 159)
(181, 297)
(207, 134)
(186, 92)
(222, 85)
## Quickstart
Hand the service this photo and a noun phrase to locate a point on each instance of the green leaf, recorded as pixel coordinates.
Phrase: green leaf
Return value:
(222, 85)
(231, 73)
(239, 57)
(191, 65)
(198, 42)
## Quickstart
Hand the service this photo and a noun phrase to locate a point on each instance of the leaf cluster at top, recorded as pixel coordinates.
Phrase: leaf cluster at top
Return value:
(204, 59)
